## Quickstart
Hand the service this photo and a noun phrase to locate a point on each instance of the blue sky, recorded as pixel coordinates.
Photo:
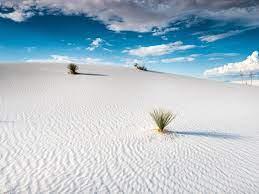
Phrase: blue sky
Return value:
(189, 42)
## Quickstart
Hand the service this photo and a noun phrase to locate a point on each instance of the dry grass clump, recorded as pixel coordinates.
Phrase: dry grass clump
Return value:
(162, 118)
(140, 67)
(72, 68)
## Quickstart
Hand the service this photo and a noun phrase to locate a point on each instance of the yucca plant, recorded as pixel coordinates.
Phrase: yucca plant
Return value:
(162, 118)
(72, 68)
(143, 68)
(140, 67)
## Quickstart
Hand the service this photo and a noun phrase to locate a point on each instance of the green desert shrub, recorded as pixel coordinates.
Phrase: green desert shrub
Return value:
(162, 118)
(140, 67)
(72, 68)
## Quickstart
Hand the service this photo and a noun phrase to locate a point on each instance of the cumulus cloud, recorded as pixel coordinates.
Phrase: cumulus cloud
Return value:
(140, 16)
(159, 50)
(250, 64)
(95, 44)
(215, 37)
(66, 59)
(178, 59)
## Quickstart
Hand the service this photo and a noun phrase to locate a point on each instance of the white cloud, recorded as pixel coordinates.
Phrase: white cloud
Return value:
(140, 16)
(215, 37)
(159, 50)
(250, 64)
(163, 31)
(195, 55)
(164, 37)
(222, 55)
(17, 15)
(178, 59)
(230, 54)
(247, 14)
(66, 59)
(192, 57)
(95, 44)
(214, 58)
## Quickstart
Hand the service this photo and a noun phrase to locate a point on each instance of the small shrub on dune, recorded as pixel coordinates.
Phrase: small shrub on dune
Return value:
(140, 67)
(162, 118)
(72, 68)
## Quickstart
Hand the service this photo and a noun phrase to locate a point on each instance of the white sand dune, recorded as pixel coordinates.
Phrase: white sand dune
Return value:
(92, 133)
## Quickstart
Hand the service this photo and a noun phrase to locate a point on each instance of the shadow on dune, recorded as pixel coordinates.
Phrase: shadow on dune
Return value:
(92, 74)
(151, 71)
(206, 134)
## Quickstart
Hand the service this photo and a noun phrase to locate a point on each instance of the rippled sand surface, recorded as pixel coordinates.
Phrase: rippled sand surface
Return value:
(92, 133)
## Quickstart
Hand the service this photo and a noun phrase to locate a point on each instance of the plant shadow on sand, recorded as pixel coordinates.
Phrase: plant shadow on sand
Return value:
(205, 134)
(92, 74)
(152, 71)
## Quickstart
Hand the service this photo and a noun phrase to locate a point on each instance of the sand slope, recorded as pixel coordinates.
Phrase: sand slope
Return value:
(90, 133)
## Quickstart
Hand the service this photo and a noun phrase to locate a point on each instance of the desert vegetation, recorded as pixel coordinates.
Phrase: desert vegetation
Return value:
(140, 67)
(72, 68)
(162, 118)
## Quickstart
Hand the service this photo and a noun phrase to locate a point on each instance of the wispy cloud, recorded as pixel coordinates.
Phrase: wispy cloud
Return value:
(215, 37)
(178, 59)
(222, 54)
(195, 55)
(214, 58)
(250, 64)
(214, 55)
(163, 31)
(159, 50)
